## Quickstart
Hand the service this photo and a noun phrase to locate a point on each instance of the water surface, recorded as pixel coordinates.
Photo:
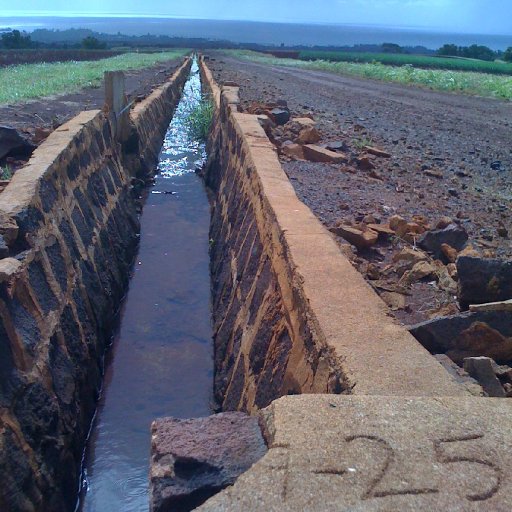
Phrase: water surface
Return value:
(161, 360)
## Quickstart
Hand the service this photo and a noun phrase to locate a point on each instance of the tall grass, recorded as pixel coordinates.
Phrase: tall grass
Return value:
(31, 81)
(200, 119)
(482, 84)
(418, 61)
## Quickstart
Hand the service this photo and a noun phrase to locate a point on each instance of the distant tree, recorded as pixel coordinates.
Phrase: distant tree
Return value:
(450, 50)
(507, 56)
(392, 48)
(476, 51)
(92, 43)
(15, 40)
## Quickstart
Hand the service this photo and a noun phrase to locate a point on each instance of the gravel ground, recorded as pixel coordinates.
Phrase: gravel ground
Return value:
(442, 146)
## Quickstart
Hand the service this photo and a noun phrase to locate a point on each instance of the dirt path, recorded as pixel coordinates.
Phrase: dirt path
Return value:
(442, 146)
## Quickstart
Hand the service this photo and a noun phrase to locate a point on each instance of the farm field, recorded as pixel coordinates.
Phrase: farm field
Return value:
(482, 84)
(419, 61)
(31, 81)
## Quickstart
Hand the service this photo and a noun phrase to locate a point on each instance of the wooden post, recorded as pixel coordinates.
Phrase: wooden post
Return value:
(115, 101)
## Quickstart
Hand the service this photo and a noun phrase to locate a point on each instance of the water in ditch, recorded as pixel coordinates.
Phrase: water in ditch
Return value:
(161, 359)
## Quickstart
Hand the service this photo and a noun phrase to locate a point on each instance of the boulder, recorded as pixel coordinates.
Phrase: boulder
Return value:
(377, 152)
(449, 253)
(482, 333)
(318, 154)
(357, 237)
(293, 151)
(280, 116)
(191, 460)
(453, 235)
(483, 280)
(4, 249)
(419, 271)
(482, 370)
(13, 143)
(308, 135)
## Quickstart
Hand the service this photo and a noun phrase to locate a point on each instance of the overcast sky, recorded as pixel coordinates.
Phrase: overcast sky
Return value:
(476, 16)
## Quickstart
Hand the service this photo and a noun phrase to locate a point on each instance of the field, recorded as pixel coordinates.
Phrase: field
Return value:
(30, 81)
(482, 84)
(418, 61)
(15, 57)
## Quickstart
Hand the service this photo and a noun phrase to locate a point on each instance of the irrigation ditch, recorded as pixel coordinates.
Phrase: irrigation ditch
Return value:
(285, 313)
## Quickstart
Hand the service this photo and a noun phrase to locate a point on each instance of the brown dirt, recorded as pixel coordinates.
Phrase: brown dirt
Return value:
(456, 136)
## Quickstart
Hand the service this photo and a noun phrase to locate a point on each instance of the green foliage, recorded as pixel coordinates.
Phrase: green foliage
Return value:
(91, 43)
(15, 40)
(362, 142)
(507, 56)
(5, 173)
(418, 61)
(482, 84)
(392, 48)
(29, 81)
(200, 119)
(449, 50)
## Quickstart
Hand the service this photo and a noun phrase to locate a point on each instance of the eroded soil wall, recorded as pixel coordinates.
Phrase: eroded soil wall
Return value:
(70, 222)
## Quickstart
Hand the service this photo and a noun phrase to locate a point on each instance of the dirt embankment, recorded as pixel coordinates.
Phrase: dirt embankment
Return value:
(445, 158)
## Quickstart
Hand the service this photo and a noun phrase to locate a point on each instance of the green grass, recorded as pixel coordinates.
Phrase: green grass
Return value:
(5, 172)
(482, 84)
(418, 61)
(200, 119)
(30, 81)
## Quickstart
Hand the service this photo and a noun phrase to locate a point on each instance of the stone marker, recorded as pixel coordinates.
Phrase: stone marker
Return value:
(371, 453)
(193, 459)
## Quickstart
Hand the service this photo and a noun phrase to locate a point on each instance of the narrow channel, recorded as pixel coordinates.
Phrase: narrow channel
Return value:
(161, 359)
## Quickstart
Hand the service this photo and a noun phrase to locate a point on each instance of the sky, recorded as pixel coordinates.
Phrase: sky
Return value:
(470, 16)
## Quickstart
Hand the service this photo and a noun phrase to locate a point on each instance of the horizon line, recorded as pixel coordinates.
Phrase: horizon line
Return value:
(58, 14)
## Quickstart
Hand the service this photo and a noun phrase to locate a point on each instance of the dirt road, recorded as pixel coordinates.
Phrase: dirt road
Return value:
(451, 155)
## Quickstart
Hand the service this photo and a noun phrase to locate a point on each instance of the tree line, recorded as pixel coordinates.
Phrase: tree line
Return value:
(16, 40)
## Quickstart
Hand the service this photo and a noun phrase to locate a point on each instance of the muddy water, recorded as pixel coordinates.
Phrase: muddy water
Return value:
(161, 360)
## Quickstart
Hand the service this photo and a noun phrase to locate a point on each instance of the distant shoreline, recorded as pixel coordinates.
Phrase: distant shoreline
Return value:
(289, 34)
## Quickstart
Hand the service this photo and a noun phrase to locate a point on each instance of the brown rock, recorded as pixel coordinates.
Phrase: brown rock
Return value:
(303, 121)
(481, 340)
(434, 174)
(8, 229)
(357, 237)
(469, 250)
(419, 271)
(410, 255)
(382, 229)
(364, 163)
(449, 253)
(41, 134)
(444, 222)
(395, 301)
(396, 222)
(294, 151)
(308, 135)
(191, 460)
(373, 271)
(318, 154)
(377, 152)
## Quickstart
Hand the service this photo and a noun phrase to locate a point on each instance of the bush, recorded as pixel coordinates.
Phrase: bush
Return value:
(91, 43)
(200, 119)
(507, 56)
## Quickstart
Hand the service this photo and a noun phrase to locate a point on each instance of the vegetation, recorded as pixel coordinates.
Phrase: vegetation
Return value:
(474, 51)
(457, 81)
(29, 81)
(200, 119)
(418, 61)
(92, 43)
(15, 40)
(5, 173)
(507, 56)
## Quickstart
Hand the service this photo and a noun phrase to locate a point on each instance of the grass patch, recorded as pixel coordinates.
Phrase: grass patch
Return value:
(5, 172)
(200, 119)
(482, 84)
(31, 81)
(418, 61)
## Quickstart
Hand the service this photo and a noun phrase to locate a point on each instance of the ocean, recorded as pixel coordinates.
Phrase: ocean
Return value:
(262, 33)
